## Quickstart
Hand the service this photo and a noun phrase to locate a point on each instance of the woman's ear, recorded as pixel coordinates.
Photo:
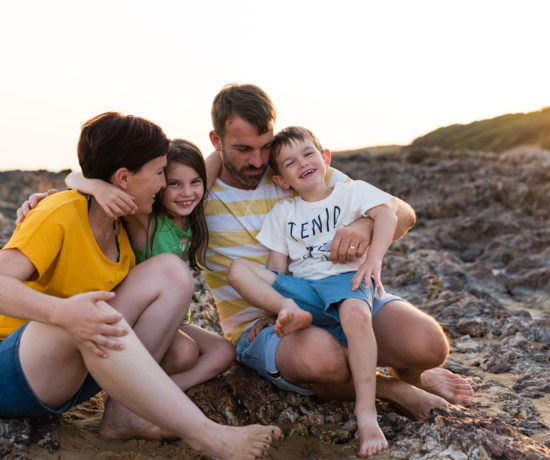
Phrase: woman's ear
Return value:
(278, 180)
(120, 178)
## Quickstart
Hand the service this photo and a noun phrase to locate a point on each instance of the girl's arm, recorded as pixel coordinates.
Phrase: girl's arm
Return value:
(114, 201)
(385, 222)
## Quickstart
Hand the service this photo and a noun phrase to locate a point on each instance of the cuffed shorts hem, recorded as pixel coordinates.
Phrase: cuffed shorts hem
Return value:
(16, 396)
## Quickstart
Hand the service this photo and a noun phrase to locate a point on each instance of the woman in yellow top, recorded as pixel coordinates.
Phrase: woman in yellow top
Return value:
(77, 316)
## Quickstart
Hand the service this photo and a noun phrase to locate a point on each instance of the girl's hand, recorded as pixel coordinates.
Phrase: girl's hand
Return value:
(114, 201)
(266, 321)
(370, 268)
(92, 322)
(31, 203)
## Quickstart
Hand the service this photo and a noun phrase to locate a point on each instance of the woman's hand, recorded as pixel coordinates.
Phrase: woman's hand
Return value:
(92, 322)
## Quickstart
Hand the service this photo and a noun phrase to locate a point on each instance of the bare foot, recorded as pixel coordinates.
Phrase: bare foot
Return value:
(444, 383)
(414, 401)
(371, 438)
(237, 443)
(292, 319)
(119, 423)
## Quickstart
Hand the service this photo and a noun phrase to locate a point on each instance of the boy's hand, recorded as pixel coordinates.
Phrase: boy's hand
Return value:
(92, 322)
(266, 321)
(31, 203)
(367, 270)
(351, 242)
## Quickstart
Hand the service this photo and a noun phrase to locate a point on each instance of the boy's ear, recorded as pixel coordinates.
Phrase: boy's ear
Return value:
(216, 140)
(278, 180)
(120, 178)
(326, 157)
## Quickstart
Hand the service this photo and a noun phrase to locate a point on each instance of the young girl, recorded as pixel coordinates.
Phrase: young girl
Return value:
(176, 225)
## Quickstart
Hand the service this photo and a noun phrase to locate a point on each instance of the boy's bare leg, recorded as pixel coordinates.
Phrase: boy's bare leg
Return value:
(413, 345)
(356, 323)
(254, 283)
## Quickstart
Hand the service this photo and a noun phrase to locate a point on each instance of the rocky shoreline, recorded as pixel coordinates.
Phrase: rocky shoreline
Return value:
(478, 260)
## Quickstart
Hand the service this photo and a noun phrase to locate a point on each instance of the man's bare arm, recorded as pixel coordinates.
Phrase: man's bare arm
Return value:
(352, 241)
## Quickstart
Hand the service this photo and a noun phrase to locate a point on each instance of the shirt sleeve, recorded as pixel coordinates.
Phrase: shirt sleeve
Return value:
(272, 234)
(368, 196)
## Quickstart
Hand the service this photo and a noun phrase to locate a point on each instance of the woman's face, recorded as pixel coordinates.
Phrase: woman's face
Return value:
(146, 183)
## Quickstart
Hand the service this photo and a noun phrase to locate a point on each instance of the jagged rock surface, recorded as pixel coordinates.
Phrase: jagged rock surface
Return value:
(478, 260)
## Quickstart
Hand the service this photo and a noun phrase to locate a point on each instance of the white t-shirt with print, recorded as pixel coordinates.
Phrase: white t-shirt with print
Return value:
(303, 230)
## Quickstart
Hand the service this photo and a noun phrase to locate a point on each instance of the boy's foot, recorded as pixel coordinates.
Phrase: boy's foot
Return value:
(290, 320)
(371, 438)
(452, 387)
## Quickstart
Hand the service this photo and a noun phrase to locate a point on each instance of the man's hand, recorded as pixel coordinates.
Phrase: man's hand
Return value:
(31, 203)
(352, 241)
(91, 321)
(266, 321)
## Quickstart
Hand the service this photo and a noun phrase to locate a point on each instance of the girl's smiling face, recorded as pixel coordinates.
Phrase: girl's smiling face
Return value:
(184, 190)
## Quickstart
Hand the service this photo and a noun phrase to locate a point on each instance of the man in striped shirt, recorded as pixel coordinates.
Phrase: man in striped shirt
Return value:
(410, 343)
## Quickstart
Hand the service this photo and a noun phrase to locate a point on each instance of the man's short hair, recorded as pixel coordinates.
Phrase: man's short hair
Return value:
(286, 137)
(247, 101)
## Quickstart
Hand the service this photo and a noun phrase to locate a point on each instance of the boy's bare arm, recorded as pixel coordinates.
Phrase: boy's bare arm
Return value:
(277, 262)
(406, 217)
(385, 222)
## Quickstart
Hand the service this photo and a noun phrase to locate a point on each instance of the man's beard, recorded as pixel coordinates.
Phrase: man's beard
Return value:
(248, 181)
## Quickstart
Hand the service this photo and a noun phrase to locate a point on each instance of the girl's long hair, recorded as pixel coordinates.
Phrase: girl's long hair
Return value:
(188, 154)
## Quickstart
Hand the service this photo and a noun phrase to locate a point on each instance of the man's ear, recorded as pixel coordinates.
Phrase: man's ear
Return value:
(216, 140)
(278, 180)
(326, 157)
(120, 178)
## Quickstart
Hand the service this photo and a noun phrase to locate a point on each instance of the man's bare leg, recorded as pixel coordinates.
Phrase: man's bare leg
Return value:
(254, 283)
(356, 323)
(413, 345)
(313, 358)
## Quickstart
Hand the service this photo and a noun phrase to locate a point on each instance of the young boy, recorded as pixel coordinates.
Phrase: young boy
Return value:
(338, 297)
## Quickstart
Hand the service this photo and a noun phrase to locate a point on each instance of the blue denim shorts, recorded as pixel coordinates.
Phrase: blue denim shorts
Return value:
(260, 354)
(16, 396)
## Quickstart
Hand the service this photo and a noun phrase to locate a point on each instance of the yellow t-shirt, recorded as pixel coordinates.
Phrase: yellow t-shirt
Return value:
(56, 237)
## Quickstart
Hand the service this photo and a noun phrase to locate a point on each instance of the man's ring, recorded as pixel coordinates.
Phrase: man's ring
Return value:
(352, 247)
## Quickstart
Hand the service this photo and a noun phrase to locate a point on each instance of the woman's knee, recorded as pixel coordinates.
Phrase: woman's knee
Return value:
(222, 355)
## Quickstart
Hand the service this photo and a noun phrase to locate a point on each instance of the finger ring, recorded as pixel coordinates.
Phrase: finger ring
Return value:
(352, 247)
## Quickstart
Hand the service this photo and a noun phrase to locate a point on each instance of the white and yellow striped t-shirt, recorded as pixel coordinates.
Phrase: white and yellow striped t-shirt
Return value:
(234, 217)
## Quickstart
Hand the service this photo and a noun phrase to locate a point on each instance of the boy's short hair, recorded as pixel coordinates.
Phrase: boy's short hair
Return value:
(249, 102)
(286, 137)
(111, 141)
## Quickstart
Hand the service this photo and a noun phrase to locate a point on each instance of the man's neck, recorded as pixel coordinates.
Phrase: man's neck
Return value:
(227, 178)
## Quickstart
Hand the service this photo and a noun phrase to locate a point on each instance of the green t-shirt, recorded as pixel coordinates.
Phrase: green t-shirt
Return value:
(168, 238)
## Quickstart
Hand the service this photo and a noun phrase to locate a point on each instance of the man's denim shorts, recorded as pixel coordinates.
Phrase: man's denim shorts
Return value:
(16, 396)
(260, 354)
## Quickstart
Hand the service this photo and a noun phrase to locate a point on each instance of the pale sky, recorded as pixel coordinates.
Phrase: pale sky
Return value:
(356, 72)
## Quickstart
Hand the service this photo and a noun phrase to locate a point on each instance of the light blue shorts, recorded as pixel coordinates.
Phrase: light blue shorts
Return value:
(16, 396)
(260, 354)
